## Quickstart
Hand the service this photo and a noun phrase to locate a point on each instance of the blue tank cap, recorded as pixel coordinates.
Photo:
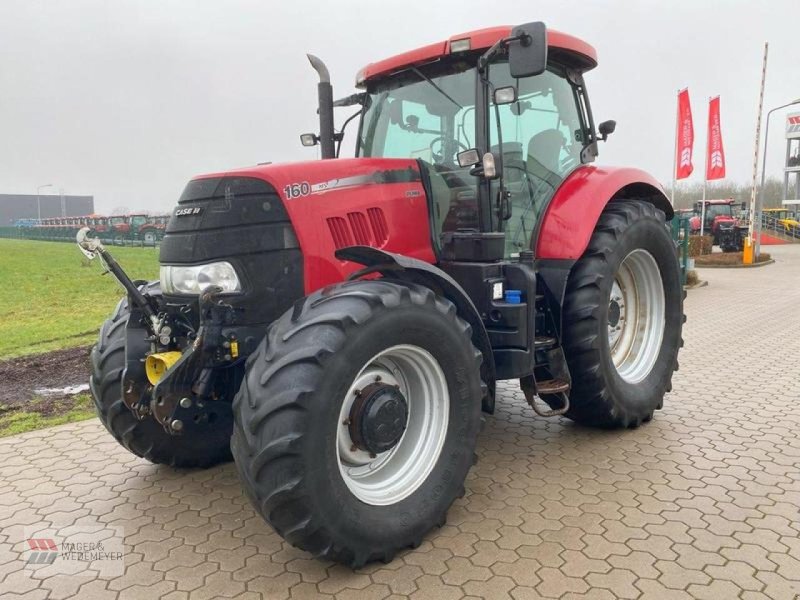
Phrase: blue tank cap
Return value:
(513, 296)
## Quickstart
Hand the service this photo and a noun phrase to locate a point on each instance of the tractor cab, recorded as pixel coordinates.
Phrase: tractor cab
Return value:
(137, 221)
(495, 128)
(717, 213)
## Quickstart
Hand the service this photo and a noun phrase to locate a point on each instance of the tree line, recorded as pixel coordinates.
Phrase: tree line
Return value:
(686, 194)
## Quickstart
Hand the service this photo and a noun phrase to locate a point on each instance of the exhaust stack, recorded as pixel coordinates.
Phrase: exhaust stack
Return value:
(325, 92)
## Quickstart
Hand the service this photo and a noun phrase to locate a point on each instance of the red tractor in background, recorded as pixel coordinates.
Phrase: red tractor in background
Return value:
(337, 326)
(720, 222)
(135, 227)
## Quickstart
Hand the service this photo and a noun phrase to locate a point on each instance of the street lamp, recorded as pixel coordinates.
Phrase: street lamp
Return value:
(39, 201)
(759, 208)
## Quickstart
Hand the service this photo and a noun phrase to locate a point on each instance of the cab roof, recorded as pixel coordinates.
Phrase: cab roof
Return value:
(582, 54)
(719, 201)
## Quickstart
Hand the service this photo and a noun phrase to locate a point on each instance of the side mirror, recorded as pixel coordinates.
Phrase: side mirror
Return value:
(505, 95)
(468, 158)
(309, 139)
(606, 128)
(485, 166)
(527, 56)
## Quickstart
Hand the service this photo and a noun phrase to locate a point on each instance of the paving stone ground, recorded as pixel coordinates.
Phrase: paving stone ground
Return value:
(700, 503)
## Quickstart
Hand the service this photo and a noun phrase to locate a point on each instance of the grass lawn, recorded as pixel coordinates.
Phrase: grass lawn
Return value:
(52, 297)
(67, 410)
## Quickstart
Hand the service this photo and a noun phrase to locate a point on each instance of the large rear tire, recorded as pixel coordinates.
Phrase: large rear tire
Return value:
(145, 438)
(622, 318)
(299, 460)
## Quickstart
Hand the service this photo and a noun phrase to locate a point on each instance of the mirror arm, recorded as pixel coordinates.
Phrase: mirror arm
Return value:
(350, 100)
(483, 61)
(339, 135)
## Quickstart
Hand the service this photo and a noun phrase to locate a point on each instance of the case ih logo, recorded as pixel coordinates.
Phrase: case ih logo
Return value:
(717, 162)
(793, 124)
(43, 551)
(186, 212)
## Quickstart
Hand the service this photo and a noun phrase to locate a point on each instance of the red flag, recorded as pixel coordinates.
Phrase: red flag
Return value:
(715, 159)
(685, 141)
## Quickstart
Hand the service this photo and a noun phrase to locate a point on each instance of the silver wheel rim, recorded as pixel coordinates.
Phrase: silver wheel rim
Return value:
(391, 476)
(636, 313)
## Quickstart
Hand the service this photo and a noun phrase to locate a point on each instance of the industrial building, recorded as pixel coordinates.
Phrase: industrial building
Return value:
(26, 206)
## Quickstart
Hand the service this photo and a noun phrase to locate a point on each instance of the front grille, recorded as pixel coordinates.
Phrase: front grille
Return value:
(241, 220)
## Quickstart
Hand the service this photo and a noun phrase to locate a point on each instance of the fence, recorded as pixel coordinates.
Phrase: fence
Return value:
(680, 233)
(785, 228)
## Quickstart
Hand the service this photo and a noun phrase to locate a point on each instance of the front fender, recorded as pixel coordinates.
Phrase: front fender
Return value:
(405, 268)
(571, 215)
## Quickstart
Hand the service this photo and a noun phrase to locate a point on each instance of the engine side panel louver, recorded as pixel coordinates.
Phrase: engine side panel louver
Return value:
(358, 223)
(359, 229)
(340, 232)
(380, 230)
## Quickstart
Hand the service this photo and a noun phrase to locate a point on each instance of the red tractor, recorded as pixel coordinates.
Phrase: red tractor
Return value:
(337, 326)
(136, 227)
(721, 223)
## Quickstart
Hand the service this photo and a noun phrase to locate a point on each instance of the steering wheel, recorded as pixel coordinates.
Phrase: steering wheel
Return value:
(445, 143)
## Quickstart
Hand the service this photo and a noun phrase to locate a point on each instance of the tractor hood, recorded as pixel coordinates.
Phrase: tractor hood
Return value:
(331, 204)
(321, 177)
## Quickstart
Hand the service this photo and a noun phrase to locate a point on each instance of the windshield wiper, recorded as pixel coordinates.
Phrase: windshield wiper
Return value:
(436, 87)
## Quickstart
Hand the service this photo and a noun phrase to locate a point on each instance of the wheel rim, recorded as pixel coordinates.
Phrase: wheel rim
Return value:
(389, 477)
(636, 310)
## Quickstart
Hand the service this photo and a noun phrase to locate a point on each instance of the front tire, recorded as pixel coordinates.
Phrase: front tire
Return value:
(622, 318)
(146, 438)
(321, 486)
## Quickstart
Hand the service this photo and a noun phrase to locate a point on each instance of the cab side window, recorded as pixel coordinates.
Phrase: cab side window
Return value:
(542, 135)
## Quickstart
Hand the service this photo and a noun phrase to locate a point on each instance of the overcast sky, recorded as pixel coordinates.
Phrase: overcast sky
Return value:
(128, 99)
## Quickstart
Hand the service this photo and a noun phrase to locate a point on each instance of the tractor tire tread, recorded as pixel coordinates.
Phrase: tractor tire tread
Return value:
(591, 401)
(285, 369)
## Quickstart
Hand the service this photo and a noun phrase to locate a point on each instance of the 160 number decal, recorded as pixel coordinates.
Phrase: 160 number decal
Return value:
(296, 190)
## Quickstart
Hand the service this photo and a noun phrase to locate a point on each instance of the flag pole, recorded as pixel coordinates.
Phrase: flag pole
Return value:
(705, 182)
(675, 151)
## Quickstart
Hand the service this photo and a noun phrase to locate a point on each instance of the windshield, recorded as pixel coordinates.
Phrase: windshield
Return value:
(718, 210)
(428, 114)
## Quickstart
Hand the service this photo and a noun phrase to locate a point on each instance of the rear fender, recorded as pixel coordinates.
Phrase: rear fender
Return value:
(570, 217)
(405, 268)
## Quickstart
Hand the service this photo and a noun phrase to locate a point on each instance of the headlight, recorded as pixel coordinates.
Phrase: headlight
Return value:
(177, 279)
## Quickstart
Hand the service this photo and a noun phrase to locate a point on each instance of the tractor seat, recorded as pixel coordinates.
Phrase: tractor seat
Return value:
(544, 153)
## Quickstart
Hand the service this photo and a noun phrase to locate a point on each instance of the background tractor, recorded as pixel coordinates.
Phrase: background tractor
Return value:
(721, 223)
(135, 227)
(338, 325)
